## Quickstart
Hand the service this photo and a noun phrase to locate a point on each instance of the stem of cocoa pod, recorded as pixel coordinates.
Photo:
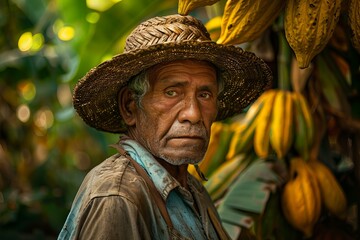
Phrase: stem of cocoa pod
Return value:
(284, 63)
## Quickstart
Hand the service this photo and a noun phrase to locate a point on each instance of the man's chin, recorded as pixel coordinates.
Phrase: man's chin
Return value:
(180, 160)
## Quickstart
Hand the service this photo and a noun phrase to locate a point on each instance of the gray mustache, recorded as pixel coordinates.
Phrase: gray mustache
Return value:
(199, 132)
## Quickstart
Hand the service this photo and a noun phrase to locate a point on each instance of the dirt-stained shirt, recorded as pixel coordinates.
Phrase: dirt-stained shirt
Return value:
(114, 202)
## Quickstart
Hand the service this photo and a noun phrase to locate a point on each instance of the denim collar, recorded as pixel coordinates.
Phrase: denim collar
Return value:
(163, 181)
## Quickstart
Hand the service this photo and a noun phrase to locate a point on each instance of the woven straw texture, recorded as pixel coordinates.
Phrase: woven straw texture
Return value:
(165, 39)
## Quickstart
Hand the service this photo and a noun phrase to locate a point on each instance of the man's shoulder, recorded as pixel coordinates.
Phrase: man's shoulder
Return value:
(115, 176)
(108, 190)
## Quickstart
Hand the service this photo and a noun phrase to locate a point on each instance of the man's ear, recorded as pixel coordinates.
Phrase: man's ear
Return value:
(127, 106)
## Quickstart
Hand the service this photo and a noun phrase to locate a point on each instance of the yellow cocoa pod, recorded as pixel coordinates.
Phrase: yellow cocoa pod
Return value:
(301, 199)
(192, 170)
(332, 194)
(246, 20)
(214, 27)
(220, 138)
(216, 130)
(309, 25)
(354, 22)
(185, 6)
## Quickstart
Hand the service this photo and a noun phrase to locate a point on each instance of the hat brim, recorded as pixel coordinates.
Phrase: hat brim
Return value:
(245, 77)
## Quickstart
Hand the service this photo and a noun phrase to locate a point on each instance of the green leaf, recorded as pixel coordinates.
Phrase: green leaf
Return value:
(272, 224)
(331, 87)
(247, 197)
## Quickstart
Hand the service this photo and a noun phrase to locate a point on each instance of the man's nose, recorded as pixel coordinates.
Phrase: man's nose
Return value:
(191, 111)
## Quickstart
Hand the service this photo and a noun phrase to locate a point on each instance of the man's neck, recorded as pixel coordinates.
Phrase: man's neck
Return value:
(178, 172)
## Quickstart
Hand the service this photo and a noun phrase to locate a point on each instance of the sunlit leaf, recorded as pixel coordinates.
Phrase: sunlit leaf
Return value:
(101, 5)
(248, 195)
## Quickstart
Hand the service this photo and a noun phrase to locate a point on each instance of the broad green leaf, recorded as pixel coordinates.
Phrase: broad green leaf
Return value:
(332, 89)
(233, 230)
(234, 217)
(272, 225)
(248, 195)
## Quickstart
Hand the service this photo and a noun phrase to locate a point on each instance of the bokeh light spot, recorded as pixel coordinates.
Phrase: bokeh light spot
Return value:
(27, 90)
(58, 24)
(64, 95)
(40, 153)
(25, 41)
(23, 113)
(44, 119)
(37, 42)
(93, 17)
(66, 33)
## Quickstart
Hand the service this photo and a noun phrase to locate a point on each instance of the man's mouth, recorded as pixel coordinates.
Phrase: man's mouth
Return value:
(186, 139)
(195, 137)
(188, 136)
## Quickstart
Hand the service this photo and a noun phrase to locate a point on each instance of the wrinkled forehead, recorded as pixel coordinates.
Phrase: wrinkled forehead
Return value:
(191, 64)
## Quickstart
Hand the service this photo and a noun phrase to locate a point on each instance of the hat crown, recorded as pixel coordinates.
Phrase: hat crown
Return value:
(168, 29)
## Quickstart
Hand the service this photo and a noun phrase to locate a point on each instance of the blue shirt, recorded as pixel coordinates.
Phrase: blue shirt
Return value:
(114, 202)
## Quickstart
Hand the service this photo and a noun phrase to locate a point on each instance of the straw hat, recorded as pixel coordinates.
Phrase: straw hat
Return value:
(164, 39)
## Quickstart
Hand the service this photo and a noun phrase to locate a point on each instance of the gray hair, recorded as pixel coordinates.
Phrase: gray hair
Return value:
(139, 85)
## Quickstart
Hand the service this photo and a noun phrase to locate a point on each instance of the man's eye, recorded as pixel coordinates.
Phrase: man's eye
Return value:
(205, 95)
(171, 93)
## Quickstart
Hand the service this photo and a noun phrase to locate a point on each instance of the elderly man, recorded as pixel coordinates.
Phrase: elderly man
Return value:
(162, 94)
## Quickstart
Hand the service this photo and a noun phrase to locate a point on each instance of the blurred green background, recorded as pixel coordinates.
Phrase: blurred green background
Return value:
(45, 148)
(46, 46)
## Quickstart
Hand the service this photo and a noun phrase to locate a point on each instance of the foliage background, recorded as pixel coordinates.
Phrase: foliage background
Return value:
(45, 148)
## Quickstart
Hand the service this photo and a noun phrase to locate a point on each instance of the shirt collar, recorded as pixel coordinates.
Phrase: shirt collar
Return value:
(163, 181)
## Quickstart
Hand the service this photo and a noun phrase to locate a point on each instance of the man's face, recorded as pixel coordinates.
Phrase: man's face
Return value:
(178, 110)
